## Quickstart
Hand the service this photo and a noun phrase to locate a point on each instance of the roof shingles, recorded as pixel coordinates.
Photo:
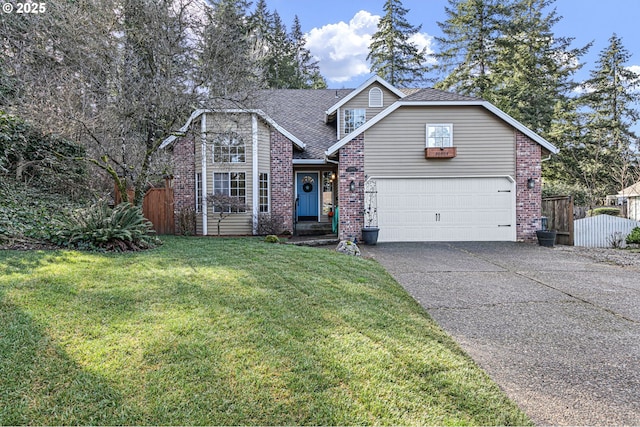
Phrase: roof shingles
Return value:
(302, 112)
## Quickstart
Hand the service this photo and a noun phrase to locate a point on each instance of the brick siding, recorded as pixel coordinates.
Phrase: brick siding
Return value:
(351, 204)
(282, 179)
(528, 201)
(184, 181)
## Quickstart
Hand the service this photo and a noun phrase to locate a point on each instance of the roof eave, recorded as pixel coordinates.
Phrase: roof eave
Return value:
(492, 108)
(359, 89)
(182, 131)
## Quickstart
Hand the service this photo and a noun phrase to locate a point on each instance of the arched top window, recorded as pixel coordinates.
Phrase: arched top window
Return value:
(228, 147)
(375, 97)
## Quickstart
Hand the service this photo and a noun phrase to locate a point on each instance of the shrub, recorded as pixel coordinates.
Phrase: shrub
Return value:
(269, 224)
(634, 236)
(123, 228)
(187, 222)
(272, 239)
(29, 214)
(46, 161)
(605, 211)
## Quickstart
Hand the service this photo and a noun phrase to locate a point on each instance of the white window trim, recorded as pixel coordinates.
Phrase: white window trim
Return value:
(198, 192)
(344, 127)
(376, 92)
(432, 125)
(227, 147)
(229, 187)
(268, 182)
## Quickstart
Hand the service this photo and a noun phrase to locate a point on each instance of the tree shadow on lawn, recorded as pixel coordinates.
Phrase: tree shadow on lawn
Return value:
(42, 385)
(216, 342)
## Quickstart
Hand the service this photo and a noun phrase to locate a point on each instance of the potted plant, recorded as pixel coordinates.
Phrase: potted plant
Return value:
(370, 230)
(545, 237)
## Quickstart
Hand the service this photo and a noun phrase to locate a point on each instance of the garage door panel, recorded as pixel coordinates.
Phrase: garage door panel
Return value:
(451, 209)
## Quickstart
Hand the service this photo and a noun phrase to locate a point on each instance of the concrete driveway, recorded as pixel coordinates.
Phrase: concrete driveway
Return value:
(557, 331)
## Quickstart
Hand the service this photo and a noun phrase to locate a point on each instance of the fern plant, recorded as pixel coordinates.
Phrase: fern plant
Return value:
(123, 228)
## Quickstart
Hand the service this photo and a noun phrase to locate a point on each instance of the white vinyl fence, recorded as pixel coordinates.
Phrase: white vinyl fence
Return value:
(601, 231)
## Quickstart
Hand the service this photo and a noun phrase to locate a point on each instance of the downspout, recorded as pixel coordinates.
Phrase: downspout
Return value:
(256, 177)
(203, 139)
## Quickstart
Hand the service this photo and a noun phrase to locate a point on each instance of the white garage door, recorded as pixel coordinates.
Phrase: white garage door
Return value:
(446, 209)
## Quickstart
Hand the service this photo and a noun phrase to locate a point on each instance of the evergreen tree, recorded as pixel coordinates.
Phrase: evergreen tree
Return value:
(229, 66)
(467, 49)
(393, 57)
(611, 97)
(280, 64)
(534, 68)
(307, 73)
(285, 61)
(581, 167)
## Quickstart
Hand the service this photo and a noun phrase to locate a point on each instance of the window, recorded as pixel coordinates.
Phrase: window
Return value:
(228, 148)
(232, 184)
(198, 192)
(440, 135)
(375, 97)
(353, 119)
(328, 178)
(263, 195)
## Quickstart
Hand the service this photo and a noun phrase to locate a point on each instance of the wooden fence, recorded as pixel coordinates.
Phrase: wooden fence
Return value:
(157, 207)
(559, 213)
(603, 231)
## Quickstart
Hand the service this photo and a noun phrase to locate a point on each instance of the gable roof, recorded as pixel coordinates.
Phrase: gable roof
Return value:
(197, 113)
(631, 191)
(362, 87)
(300, 115)
(438, 98)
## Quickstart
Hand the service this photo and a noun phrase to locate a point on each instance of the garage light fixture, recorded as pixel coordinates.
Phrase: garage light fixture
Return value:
(352, 186)
(531, 183)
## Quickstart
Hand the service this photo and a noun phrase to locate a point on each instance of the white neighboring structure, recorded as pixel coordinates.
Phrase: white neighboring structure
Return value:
(632, 196)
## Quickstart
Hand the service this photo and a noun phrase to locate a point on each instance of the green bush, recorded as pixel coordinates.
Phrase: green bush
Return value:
(44, 161)
(28, 214)
(99, 227)
(605, 211)
(634, 236)
(272, 239)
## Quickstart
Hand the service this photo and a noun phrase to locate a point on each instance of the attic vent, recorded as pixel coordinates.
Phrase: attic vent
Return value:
(375, 97)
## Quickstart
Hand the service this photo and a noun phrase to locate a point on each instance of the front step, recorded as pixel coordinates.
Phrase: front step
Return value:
(313, 228)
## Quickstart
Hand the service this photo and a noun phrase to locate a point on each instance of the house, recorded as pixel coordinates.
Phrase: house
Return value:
(444, 167)
(631, 196)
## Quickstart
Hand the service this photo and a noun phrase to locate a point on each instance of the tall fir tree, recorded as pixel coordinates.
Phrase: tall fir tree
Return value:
(286, 62)
(534, 68)
(307, 73)
(611, 97)
(393, 57)
(467, 49)
(281, 62)
(581, 166)
(230, 68)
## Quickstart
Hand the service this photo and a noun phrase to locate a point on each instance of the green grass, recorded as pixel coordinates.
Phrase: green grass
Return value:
(227, 331)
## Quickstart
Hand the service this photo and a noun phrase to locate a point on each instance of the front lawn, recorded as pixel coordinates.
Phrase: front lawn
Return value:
(227, 331)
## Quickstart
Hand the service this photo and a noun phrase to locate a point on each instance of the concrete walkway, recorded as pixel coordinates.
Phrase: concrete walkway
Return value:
(557, 331)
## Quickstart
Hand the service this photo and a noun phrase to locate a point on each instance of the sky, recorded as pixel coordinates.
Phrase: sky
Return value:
(338, 31)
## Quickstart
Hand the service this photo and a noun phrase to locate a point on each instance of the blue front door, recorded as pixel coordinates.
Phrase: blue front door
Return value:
(307, 184)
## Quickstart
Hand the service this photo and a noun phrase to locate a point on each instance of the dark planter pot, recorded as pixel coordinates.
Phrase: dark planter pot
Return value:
(546, 237)
(370, 235)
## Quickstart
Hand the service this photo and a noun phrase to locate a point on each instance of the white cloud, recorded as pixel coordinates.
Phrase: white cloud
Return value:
(341, 49)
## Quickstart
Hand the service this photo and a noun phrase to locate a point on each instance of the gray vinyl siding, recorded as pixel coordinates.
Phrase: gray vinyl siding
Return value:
(361, 101)
(485, 144)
